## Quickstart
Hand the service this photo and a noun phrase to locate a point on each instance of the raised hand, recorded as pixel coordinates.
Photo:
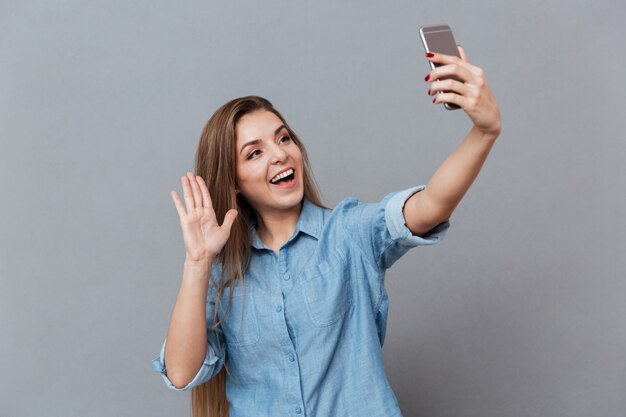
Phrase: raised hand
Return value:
(204, 238)
(472, 93)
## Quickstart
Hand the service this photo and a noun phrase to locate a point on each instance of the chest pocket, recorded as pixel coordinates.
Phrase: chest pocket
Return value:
(327, 290)
(240, 325)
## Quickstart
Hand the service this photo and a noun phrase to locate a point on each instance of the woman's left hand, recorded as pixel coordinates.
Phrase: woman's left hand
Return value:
(472, 93)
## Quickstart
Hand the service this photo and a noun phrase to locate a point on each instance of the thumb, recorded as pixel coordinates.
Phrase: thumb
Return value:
(462, 53)
(229, 219)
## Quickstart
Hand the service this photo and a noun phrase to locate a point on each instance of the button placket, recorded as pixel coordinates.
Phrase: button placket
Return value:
(283, 271)
(292, 367)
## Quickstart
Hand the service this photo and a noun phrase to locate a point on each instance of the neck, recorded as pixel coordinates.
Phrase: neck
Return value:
(276, 227)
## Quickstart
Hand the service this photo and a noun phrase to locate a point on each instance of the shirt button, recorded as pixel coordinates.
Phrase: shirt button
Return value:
(298, 410)
(286, 277)
(291, 358)
(279, 308)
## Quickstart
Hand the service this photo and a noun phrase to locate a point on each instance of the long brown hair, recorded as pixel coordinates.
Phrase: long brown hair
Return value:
(216, 163)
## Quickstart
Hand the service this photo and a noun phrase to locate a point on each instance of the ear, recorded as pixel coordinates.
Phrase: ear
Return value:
(462, 53)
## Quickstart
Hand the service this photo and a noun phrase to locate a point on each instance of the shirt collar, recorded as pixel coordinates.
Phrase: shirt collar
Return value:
(311, 221)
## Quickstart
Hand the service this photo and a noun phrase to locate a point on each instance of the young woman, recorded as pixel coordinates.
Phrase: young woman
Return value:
(282, 309)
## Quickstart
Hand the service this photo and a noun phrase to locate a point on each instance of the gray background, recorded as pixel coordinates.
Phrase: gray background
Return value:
(520, 311)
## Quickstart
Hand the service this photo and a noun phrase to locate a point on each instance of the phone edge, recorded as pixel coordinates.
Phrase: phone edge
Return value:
(425, 45)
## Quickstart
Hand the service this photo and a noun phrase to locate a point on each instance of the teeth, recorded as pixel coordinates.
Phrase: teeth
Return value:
(283, 175)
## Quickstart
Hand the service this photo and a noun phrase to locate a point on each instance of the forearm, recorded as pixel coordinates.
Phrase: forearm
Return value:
(187, 339)
(453, 178)
(448, 185)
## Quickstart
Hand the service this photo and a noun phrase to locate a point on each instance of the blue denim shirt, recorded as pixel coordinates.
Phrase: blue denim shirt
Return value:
(307, 340)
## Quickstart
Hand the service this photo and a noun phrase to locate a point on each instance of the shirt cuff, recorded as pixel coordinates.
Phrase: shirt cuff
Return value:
(396, 224)
(204, 374)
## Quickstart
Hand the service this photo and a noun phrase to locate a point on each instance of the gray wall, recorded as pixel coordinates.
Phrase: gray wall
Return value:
(520, 311)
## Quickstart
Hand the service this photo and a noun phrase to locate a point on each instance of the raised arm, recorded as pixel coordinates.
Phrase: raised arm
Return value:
(204, 238)
(435, 204)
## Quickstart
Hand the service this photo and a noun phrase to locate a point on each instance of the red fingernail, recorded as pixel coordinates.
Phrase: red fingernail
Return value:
(427, 77)
(430, 55)
(434, 99)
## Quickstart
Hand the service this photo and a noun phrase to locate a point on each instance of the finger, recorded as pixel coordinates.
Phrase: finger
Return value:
(462, 53)
(206, 198)
(188, 194)
(445, 60)
(458, 70)
(197, 196)
(448, 85)
(229, 219)
(451, 98)
(179, 205)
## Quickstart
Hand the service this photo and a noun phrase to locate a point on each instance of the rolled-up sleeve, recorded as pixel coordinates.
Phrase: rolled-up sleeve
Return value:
(398, 230)
(401, 239)
(216, 346)
(211, 365)
(380, 228)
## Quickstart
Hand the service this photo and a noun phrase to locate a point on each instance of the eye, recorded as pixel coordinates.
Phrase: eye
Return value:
(252, 154)
(286, 138)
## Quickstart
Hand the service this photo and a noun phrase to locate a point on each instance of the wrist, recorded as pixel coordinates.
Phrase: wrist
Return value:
(489, 134)
(201, 263)
(481, 137)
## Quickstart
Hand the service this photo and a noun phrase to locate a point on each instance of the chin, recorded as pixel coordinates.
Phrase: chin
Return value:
(284, 202)
(292, 199)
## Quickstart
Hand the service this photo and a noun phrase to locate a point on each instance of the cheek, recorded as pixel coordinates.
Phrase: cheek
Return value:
(250, 174)
(296, 154)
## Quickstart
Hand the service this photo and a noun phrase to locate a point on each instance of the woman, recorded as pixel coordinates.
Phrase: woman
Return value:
(282, 309)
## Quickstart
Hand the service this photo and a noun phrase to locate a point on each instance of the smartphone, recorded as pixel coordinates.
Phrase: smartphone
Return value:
(439, 38)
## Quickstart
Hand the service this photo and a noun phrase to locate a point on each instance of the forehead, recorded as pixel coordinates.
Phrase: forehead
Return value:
(259, 124)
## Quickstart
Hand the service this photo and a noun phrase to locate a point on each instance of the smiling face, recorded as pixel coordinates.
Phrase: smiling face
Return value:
(264, 150)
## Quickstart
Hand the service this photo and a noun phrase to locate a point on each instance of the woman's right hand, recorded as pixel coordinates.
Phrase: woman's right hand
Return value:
(204, 238)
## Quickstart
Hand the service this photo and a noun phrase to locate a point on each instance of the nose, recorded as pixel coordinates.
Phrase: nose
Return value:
(278, 155)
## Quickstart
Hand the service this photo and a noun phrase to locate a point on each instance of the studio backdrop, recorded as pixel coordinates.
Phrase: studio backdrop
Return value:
(519, 311)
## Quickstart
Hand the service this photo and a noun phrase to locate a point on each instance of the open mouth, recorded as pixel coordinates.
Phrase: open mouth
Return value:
(285, 177)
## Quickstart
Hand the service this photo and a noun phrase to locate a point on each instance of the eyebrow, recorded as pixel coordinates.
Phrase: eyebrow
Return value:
(255, 141)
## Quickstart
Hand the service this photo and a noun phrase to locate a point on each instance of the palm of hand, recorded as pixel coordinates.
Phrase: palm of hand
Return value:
(202, 235)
